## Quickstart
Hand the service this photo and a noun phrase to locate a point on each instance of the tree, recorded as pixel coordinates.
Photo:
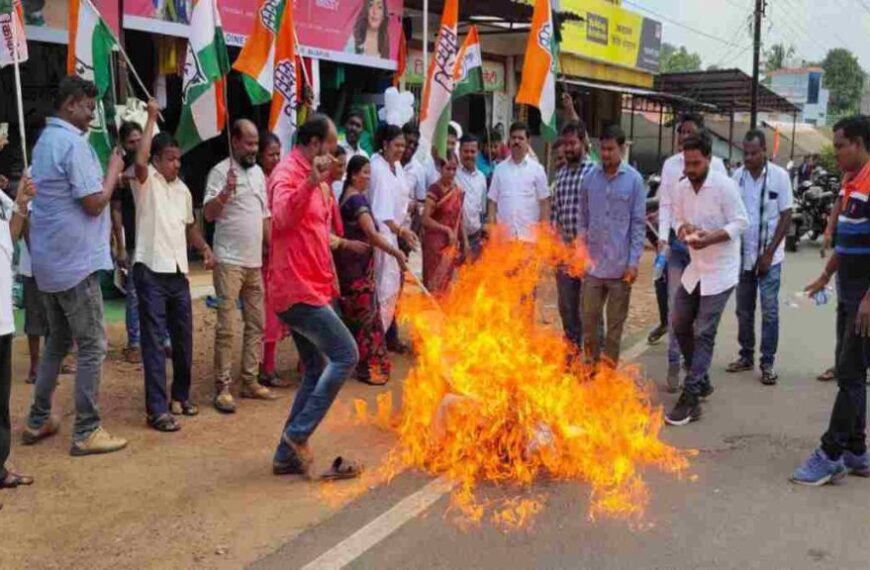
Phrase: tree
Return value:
(845, 79)
(678, 59)
(776, 56)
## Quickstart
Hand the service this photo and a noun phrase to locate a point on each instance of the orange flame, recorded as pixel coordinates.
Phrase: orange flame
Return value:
(494, 398)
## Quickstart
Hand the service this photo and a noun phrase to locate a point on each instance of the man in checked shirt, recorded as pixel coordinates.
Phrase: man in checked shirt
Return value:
(564, 215)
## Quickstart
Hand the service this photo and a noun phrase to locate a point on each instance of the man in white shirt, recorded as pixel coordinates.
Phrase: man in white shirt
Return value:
(519, 195)
(164, 227)
(473, 184)
(415, 174)
(12, 221)
(767, 194)
(353, 129)
(710, 217)
(676, 251)
(235, 200)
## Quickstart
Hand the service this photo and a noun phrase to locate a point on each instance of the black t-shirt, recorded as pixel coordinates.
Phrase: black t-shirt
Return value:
(124, 195)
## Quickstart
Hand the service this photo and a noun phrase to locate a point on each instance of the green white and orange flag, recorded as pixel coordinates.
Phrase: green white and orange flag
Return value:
(203, 113)
(469, 66)
(90, 57)
(256, 60)
(13, 42)
(282, 118)
(538, 85)
(438, 90)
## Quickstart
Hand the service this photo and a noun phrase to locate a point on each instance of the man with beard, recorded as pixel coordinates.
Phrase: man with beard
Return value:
(710, 217)
(564, 217)
(302, 286)
(677, 253)
(235, 200)
(415, 175)
(353, 129)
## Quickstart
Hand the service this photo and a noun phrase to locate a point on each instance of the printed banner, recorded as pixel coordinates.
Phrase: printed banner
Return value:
(611, 34)
(48, 21)
(359, 32)
(493, 72)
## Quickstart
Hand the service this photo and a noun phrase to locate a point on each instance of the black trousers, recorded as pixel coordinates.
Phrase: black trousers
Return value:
(848, 426)
(5, 391)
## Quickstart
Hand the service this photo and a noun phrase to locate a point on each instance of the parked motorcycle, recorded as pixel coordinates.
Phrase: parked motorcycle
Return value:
(814, 201)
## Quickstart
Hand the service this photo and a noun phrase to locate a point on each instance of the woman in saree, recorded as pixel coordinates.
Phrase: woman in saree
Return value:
(443, 234)
(356, 274)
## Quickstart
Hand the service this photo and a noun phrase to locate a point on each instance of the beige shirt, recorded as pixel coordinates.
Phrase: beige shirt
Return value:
(163, 212)
(238, 234)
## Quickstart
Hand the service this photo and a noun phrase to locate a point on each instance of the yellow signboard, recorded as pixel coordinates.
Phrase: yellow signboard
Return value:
(611, 34)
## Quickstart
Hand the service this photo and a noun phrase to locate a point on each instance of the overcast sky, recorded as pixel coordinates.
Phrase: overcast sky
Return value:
(812, 26)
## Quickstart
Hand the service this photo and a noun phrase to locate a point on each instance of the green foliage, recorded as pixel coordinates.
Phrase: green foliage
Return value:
(776, 56)
(678, 59)
(845, 79)
(828, 159)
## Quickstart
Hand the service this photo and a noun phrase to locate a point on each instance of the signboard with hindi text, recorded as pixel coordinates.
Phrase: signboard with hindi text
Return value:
(493, 72)
(358, 32)
(611, 34)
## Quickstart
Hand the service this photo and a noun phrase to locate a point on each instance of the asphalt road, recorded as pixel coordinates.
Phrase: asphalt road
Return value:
(741, 512)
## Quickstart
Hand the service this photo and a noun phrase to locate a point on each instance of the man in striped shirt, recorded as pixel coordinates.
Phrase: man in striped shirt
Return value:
(843, 448)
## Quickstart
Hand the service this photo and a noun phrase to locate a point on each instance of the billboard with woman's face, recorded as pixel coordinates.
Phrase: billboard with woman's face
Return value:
(361, 32)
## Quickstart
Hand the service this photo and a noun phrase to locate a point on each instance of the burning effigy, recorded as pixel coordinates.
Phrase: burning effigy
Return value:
(496, 398)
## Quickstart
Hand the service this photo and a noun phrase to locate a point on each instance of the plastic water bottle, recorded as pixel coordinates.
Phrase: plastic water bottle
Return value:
(821, 297)
(659, 267)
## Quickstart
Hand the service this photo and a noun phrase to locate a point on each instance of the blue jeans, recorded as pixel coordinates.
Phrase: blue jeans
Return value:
(329, 354)
(164, 301)
(73, 315)
(678, 260)
(695, 320)
(750, 287)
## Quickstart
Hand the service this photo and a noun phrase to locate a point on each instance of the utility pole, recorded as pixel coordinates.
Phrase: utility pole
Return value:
(756, 62)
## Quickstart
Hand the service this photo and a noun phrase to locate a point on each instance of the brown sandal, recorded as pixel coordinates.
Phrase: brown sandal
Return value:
(342, 469)
(14, 480)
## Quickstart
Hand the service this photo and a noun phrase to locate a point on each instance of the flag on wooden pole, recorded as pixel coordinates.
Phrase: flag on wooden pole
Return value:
(90, 57)
(469, 66)
(437, 92)
(538, 85)
(203, 112)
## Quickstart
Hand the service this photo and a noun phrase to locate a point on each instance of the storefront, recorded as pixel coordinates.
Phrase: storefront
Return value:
(344, 69)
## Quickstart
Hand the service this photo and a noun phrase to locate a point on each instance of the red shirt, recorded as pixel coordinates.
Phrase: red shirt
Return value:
(301, 269)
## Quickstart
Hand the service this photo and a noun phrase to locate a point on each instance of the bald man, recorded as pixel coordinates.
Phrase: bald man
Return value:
(235, 200)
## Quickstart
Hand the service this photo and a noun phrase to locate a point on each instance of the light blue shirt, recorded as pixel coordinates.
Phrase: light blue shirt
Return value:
(612, 220)
(67, 244)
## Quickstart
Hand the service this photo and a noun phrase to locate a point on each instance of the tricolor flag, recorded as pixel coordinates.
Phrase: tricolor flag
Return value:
(282, 118)
(13, 43)
(256, 60)
(435, 110)
(203, 112)
(538, 86)
(469, 66)
(90, 57)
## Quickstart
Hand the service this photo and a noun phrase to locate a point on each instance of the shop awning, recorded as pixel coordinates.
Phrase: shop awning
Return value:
(660, 97)
(729, 90)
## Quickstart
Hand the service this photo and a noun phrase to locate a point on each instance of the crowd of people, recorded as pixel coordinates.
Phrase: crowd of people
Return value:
(315, 245)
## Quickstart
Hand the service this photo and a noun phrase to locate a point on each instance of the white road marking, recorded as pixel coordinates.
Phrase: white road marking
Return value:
(371, 534)
(408, 508)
